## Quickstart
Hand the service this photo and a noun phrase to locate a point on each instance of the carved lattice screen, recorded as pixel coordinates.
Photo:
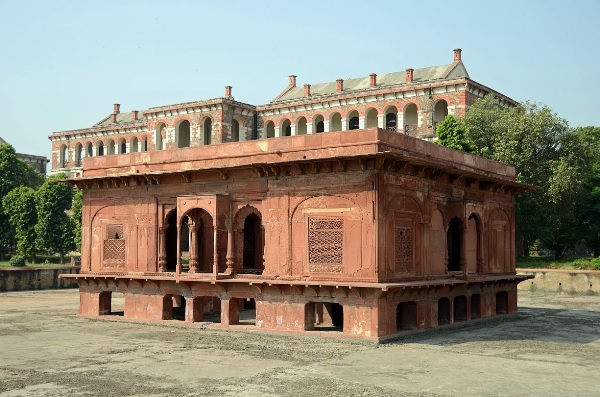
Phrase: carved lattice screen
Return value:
(404, 249)
(114, 247)
(325, 245)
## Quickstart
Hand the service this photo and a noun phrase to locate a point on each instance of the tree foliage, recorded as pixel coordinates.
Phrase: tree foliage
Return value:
(76, 214)
(19, 205)
(546, 153)
(55, 229)
(13, 173)
(451, 133)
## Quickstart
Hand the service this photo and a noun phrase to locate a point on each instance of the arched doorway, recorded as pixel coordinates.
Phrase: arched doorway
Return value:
(182, 136)
(353, 120)
(253, 245)
(335, 123)
(453, 238)
(171, 241)
(411, 119)
(158, 137)
(200, 239)
(371, 118)
(207, 131)
(286, 128)
(270, 128)
(440, 111)
(235, 130)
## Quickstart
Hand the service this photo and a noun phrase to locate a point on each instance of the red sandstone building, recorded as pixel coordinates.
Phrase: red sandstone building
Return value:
(315, 211)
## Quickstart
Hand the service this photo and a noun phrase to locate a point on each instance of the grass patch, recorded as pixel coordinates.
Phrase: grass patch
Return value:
(42, 260)
(541, 262)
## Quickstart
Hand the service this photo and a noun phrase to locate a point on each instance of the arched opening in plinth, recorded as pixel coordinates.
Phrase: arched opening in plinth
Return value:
(443, 311)
(475, 306)
(453, 238)
(324, 316)
(502, 302)
(406, 316)
(460, 308)
(173, 307)
(111, 303)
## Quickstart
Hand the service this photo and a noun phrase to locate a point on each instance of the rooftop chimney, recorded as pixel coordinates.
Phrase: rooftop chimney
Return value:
(227, 91)
(113, 118)
(340, 85)
(306, 89)
(292, 81)
(409, 75)
(134, 115)
(116, 108)
(373, 80)
(457, 52)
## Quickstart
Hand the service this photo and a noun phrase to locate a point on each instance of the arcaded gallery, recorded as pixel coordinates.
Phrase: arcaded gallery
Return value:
(365, 231)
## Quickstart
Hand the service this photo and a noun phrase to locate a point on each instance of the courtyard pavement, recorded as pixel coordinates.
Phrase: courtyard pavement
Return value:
(551, 348)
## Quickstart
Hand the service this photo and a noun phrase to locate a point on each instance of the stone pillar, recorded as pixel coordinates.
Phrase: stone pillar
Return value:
(230, 255)
(277, 131)
(215, 245)
(309, 127)
(463, 246)
(400, 122)
(325, 125)
(178, 266)
(194, 247)
(381, 120)
(361, 122)
(230, 312)
(194, 309)
(162, 249)
(344, 125)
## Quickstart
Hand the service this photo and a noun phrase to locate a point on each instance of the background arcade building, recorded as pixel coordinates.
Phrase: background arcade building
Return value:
(364, 229)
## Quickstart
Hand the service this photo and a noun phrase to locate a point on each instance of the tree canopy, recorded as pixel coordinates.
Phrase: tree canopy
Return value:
(54, 228)
(546, 153)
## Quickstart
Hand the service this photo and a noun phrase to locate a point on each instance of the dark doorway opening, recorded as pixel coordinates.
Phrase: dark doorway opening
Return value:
(443, 311)
(460, 308)
(406, 316)
(475, 306)
(502, 302)
(453, 243)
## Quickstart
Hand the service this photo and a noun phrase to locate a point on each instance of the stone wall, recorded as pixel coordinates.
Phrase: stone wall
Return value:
(31, 278)
(562, 281)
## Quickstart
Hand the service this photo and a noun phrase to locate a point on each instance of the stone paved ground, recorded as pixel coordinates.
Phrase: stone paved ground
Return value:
(552, 348)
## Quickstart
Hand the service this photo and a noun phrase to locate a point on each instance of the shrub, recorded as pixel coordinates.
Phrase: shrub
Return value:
(17, 260)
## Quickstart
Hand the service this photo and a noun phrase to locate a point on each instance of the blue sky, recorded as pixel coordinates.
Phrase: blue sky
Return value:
(64, 63)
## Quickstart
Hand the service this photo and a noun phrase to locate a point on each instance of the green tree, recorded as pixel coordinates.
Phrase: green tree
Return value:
(76, 214)
(589, 211)
(546, 153)
(19, 205)
(451, 133)
(13, 173)
(55, 229)
(9, 176)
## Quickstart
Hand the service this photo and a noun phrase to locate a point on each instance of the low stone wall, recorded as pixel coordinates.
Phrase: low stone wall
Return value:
(562, 281)
(31, 278)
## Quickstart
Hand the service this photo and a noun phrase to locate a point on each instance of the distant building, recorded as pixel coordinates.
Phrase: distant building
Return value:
(37, 162)
(412, 102)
